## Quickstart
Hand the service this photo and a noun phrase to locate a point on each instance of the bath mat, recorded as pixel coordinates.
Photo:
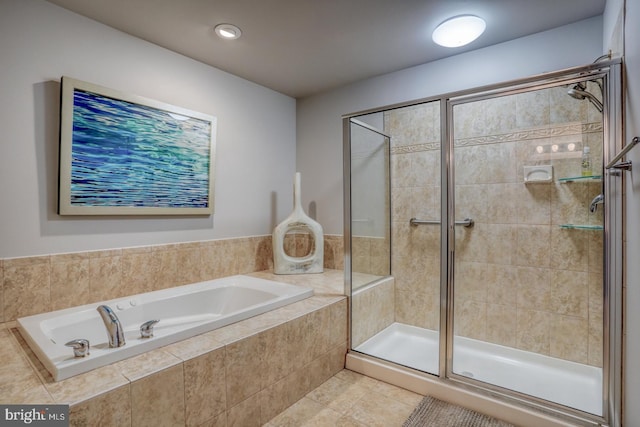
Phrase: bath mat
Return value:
(437, 413)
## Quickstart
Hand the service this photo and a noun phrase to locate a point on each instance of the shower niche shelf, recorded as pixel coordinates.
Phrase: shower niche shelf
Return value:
(582, 227)
(589, 178)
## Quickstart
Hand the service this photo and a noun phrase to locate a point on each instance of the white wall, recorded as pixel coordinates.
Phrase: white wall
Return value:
(40, 42)
(319, 129)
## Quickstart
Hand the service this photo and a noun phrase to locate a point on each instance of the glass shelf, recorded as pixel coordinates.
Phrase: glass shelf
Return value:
(581, 227)
(581, 178)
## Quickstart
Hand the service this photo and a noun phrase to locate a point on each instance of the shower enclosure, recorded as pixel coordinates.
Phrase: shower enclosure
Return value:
(483, 243)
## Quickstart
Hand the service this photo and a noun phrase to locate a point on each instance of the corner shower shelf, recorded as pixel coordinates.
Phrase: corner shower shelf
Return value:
(589, 178)
(582, 227)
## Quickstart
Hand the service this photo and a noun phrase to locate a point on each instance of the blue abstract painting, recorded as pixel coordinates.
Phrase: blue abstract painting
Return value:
(125, 154)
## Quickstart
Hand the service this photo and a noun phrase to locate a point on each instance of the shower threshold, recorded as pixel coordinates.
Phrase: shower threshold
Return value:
(567, 383)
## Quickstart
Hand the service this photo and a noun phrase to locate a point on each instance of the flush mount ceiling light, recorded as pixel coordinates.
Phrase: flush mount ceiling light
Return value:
(228, 31)
(459, 31)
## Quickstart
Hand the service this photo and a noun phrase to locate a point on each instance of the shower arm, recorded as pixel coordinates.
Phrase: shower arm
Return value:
(467, 222)
(613, 164)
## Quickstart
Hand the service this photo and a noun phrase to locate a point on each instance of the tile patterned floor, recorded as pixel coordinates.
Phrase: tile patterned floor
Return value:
(349, 399)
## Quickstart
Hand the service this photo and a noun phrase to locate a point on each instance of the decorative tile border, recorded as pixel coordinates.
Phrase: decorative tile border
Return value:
(534, 133)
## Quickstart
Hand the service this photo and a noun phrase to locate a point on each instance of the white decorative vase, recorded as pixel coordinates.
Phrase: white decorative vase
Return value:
(298, 221)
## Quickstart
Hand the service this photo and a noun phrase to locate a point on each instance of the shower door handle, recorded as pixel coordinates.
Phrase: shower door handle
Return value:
(467, 222)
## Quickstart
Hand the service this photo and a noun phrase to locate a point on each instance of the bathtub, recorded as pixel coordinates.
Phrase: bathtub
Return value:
(183, 312)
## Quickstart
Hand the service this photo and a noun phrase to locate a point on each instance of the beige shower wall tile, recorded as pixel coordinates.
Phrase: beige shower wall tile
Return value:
(26, 286)
(570, 293)
(565, 109)
(569, 203)
(533, 204)
(596, 252)
(596, 335)
(205, 391)
(500, 115)
(532, 109)
(570, 249)
(159, 399)
(415, 202)
(110, 409)
(419, 309)
(372, 311)
(501, 324)
(70, 280)
(486, 164)
(500, 202)
(470, 319)
(472, 201)
(471, 283)
(533, 245)
(568, 338)
(414, 241)
(490, 243)
(417, 274)
(532, 329)
(534, 288)
(501, 284)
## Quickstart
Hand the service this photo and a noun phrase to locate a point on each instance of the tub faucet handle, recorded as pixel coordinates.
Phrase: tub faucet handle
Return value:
(146, 329)
(80, 347)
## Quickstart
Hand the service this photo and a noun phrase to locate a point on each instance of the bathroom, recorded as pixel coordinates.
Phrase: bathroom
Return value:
(76, 261)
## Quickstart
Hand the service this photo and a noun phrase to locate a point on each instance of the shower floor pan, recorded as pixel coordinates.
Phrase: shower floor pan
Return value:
(568, 383)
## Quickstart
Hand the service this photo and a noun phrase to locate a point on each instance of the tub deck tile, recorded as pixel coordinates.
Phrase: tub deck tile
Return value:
(137, 367)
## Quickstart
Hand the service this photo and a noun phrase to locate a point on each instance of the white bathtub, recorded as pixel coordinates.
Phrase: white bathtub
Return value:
(183, 312)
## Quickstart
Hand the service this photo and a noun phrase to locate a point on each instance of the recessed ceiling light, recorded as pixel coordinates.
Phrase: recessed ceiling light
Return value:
(228, 31)
(459, 31)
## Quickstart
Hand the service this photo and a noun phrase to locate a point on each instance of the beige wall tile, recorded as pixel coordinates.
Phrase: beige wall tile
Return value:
(532, 331)
(205, 391)
(87, 385)
(143, 365)
(570, 290)
(570, 249)
(246, 413)
(533, 245)
(140, 269)
(105, 276)
(109, 409)
(501, 324)
(70, 280)
(26, 287)
(568, 338)
(1, 290)
(158, 400)
(470, 319)
(244, 369)
(534, 288)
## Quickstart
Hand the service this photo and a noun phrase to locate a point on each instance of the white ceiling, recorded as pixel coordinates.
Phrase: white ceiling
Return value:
(303, 47)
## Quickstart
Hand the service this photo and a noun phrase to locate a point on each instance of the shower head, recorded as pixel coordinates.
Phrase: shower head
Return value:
(578, 91)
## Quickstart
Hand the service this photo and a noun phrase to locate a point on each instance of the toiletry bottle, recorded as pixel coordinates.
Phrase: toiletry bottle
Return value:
(586, 162)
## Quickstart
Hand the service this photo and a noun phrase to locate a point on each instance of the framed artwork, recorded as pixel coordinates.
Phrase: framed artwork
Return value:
(123, 154)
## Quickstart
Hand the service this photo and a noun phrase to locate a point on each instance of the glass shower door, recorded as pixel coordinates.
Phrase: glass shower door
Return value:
(396, 313)
(527, 277)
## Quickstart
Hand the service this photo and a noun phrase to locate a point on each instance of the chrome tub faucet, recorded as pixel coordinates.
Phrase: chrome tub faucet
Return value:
(113, 325)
